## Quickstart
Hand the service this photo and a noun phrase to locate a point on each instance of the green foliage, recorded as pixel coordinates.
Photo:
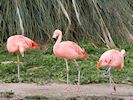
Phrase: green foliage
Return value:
(37, 97)
(7, 94)
(41, 17)
(39, 67)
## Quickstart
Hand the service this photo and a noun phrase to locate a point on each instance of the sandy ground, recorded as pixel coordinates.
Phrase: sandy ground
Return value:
(57, 90)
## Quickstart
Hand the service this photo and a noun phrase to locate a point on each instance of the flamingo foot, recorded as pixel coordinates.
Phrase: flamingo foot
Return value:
(78, 88)
(114, 90)
(67, 89)
(114, 87)
(113, 93)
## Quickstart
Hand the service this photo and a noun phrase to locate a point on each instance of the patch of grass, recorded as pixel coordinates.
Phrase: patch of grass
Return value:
(7, 94)
(39, 67)
(37, 97)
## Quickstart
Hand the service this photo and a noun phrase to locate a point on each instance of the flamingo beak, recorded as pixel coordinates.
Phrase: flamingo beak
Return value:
(54, 39)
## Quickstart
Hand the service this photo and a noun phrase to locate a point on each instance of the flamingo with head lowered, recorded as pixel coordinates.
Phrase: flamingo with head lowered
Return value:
(68, 50)
(19, 43)
(111, 59)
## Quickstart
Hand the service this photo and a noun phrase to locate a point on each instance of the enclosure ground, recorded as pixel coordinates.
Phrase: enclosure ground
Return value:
(57, 91)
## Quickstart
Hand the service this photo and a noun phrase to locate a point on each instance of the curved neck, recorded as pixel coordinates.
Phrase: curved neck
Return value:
(59, 39)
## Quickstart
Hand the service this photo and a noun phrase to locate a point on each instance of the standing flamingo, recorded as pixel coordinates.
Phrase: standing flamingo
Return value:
(19, 43)
(111, 59)
(68, 50)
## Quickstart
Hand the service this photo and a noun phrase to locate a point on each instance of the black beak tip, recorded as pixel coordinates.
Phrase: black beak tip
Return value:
(54, 39)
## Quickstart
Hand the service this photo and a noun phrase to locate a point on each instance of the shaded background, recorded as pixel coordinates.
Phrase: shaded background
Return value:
(101, 22)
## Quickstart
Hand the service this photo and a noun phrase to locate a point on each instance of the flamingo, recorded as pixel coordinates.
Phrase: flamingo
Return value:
(68, 50)
(19, 43)
(111, 59)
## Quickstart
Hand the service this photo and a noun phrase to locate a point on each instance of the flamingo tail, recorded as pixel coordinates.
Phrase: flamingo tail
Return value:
(98, 64)
(85, 55)
(34, 44)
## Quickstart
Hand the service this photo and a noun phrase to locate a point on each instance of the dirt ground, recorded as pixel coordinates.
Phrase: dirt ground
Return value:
(56, 91)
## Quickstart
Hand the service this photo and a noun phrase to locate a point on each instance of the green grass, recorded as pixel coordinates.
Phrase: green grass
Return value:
(37, 97)
(42, 67)
(7, 94)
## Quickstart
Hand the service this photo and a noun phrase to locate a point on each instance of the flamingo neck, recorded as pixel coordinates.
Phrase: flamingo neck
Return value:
(59, 39)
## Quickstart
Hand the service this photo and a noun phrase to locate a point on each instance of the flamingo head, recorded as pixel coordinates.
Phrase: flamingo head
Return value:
(123, 52)
(56, 33)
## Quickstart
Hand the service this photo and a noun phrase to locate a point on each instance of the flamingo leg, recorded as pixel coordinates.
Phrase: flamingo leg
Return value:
(18, 64)
(112, 84)
(78, 87)
(108, 73)
(67, 73)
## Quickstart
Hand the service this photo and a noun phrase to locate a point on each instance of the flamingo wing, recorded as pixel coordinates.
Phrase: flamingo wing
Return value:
(111, 58)
(68, 50)
(73, 46)
(19, 43)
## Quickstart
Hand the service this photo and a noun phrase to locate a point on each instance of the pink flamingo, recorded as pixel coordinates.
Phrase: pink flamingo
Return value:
(68, 50)
(111, 59)
(19, 43)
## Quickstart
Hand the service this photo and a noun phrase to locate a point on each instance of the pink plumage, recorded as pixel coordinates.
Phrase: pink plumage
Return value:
(20, 43)
(68, 50)
(111, 58)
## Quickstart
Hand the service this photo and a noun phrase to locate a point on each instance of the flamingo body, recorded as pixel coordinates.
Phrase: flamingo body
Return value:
(113, 58)
(68, 50)
(19, 43)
